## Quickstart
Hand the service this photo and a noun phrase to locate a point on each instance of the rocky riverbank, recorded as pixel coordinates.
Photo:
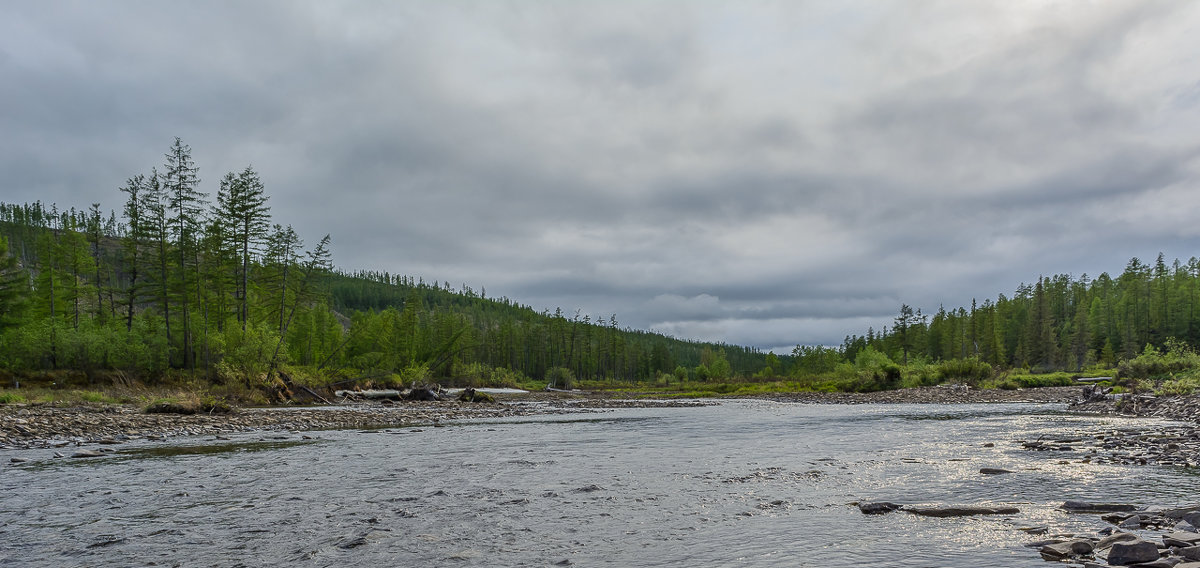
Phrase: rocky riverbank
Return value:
(943, 394)
(1183, 408)
(1141, 537)
(24, 426)
(33, 426)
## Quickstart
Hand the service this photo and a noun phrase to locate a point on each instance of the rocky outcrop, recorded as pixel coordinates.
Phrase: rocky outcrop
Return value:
(1177, 544)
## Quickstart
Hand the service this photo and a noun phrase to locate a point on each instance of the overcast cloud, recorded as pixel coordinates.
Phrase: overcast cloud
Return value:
(760, 173)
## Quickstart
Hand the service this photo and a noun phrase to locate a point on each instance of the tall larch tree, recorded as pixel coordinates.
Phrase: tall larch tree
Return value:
(242, 209)
(186, 207)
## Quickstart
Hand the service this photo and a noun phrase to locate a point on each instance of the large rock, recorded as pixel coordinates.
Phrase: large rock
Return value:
(877, 508)
(1191, 552)
(1181, 539)
(1132, 522)
(961, 511)
(1066, 550)
(1160, 563)
(1087, 507)
(1132, 552)
(1115, 538)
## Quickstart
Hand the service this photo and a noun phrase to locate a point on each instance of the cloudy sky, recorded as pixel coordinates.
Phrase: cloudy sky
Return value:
(760, 173)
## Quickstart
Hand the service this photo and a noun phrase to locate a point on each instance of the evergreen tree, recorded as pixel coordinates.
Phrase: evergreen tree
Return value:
(186, 205)
(243, 211)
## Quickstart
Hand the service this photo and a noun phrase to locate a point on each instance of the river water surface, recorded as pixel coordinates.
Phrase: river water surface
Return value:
(745, 483)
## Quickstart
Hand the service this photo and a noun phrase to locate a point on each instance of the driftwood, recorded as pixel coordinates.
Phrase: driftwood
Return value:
(380, 394)
(292, 387)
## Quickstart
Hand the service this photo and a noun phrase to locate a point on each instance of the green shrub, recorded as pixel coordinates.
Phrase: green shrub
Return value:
(1153, 363)
(560, 378)
(246, 354)
(970, 369)
(872, 370)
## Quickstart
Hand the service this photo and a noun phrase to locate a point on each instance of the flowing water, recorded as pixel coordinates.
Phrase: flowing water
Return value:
(736, 484)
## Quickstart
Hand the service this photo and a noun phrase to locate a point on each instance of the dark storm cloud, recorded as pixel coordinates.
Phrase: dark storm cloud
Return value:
(756, 173)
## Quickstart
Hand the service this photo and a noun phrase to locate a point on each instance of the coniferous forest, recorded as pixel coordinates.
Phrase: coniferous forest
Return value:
(207, 285)
(181, 281)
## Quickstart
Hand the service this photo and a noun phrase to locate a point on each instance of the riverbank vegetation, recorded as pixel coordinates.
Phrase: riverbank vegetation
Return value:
(194, 291)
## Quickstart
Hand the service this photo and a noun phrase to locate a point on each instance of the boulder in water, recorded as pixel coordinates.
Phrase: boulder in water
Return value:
(1066, 550)
(961, 511)
(877, 508)
(1132, 552)
(1087, 507)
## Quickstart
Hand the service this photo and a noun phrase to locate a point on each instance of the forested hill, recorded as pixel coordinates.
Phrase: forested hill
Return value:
(502, 334)
(1058, 322)
(209, 283)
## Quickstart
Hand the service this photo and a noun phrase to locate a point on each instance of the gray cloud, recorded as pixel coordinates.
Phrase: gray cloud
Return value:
(764, 174)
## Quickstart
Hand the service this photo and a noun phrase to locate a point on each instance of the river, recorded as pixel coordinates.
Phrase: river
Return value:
(745, 483)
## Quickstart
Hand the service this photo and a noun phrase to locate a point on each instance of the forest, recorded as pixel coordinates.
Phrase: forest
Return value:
(180, 285)
(1060, 323)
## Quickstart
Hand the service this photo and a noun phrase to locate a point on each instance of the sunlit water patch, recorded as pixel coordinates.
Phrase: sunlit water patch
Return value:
(741, 483)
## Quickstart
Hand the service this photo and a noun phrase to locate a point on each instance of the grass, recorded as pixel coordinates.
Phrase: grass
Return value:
(1182, 383)
(11, 398)
(61, 397)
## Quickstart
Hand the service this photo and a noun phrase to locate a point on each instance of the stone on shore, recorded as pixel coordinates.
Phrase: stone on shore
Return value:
(1132, 552)
(1115, 538)
(1160, 563)
(87, 454)
(1181, 539)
